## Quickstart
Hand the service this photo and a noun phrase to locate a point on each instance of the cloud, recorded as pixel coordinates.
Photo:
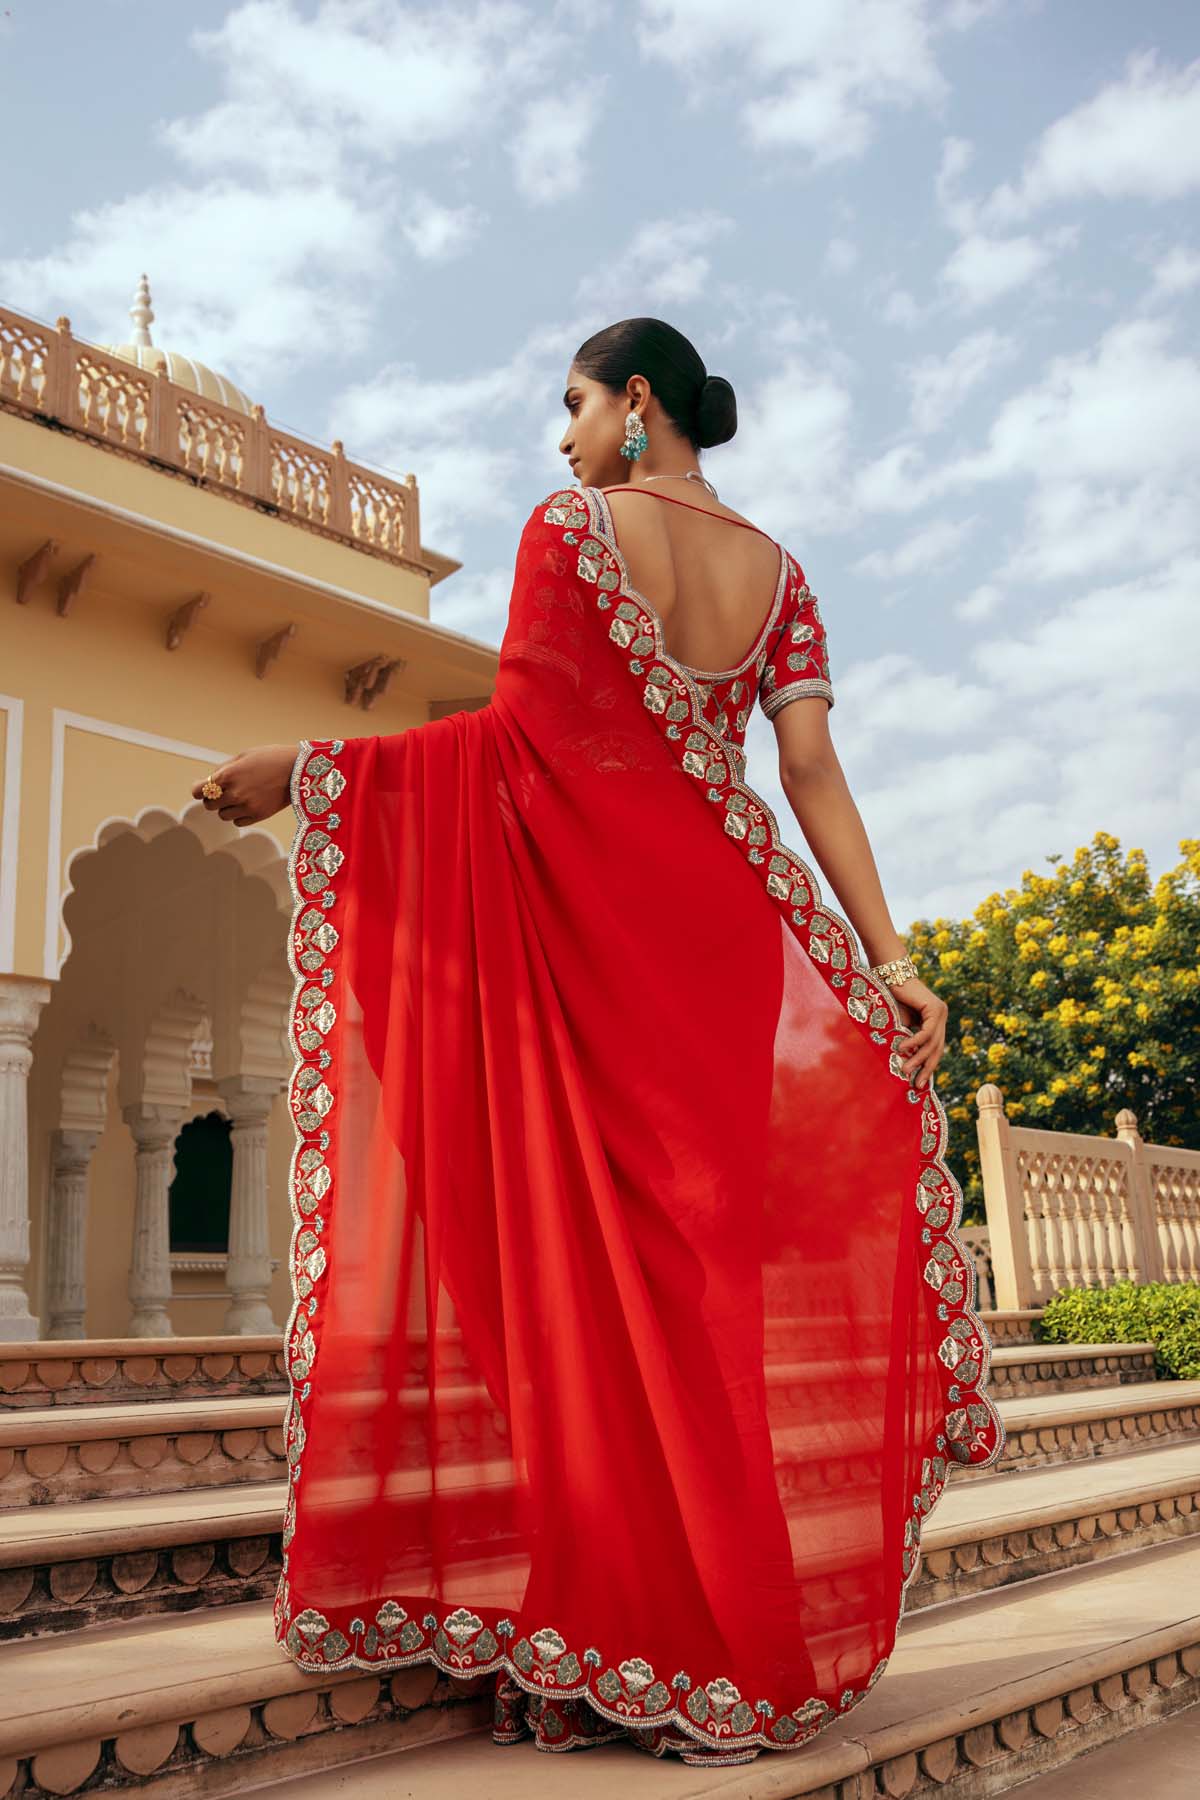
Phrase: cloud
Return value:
(820, 73)
(1108, 439)
(790, 459)
(840, 256)
(1126, 408)
(983, 269)
(252, 317)
(940, 383)
(1104, 648)
(359, 78)
(437, 233)
(1138, 138)
(547, 147)
(932, 547)
(667, 262)
(981, 603)
(463, 433)
(474, 602)
(1177, 272)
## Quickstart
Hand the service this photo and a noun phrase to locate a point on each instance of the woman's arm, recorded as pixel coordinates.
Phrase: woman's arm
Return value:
(819, 796)
(255, 783)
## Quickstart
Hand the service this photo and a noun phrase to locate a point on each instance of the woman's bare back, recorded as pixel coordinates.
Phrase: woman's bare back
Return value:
(710, 574)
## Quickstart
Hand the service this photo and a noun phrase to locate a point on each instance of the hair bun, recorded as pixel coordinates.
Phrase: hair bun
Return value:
(716, 412)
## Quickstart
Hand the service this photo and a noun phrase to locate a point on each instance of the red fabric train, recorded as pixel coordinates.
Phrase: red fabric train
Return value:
(633, 1340)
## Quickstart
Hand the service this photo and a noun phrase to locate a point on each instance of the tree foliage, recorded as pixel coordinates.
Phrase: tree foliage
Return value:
(1078, 993)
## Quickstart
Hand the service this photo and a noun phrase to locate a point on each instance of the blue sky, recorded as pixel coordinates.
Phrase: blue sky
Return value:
(947, 251)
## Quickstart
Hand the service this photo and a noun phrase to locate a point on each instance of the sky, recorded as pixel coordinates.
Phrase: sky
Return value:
(947, 252)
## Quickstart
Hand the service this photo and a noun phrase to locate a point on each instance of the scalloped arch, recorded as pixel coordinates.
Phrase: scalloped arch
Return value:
(257, 853)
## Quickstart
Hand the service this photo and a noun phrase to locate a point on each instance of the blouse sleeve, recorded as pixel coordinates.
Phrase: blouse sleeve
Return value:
(797, 662)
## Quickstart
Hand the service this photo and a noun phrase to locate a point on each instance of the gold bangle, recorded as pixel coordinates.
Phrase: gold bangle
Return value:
(896, 972)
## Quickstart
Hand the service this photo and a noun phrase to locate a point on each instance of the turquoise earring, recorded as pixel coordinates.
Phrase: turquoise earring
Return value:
(635, 436)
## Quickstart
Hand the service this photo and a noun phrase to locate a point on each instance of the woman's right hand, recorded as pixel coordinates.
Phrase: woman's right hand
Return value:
(922, 1048)
(255, 783)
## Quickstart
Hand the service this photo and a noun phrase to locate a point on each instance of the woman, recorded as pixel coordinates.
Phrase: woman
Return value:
(633, 1340)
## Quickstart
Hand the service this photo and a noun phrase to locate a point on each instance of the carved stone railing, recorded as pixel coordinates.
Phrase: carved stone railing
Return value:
(49, 374)
(1067, 1210)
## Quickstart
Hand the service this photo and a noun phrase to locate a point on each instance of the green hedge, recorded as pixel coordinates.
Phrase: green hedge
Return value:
(1164, 1313)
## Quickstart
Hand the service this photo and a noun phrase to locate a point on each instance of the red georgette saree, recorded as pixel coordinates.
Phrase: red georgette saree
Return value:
(633, 1339)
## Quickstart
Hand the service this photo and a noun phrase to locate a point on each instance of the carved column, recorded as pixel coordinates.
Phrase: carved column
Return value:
(154, 1129)
(248, 1099)
(21, 1002)
(66, 1291)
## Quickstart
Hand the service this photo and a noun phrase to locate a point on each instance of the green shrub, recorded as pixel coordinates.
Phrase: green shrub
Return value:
(1164, 1313)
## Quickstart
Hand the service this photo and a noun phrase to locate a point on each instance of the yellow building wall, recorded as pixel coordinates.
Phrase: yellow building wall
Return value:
(115, 724)
(139, 725)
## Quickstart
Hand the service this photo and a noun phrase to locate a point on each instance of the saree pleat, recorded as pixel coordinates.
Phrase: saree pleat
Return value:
(632, 1337)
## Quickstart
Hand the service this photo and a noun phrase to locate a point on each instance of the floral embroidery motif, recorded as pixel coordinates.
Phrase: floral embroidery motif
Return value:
(712, 1713)
(797, 663)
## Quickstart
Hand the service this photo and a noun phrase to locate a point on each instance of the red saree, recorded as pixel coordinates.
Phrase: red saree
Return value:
(633, 1340)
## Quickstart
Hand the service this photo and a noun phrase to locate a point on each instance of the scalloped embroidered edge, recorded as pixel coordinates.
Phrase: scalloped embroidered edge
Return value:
(309, 1023)
(741, 799)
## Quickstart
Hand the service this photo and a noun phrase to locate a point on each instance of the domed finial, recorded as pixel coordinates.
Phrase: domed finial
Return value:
(141, 312)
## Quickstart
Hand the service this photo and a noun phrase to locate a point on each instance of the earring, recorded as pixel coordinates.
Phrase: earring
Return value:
(635, 436)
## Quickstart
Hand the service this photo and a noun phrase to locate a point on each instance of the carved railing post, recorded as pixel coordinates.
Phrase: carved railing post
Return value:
(1004, 1203)
(59, 399)
(1148, 1244)
(256, 475)
(411, 546)
(66, 1288)
(21, 1002)
(339, 490)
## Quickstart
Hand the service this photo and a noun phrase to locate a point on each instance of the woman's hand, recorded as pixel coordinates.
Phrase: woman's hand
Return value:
(255, 783)
(923, 1048)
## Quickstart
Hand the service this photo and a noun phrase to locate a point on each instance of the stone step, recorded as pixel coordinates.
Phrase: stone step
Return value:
(1019, 1370)
(1052, 1428)
(81, 1453)
(1159, 1761)
(73, 1372)
(173, 1696)
(1031, 1522)
(1012, 1326)
(976, 1698)
(93, 1561)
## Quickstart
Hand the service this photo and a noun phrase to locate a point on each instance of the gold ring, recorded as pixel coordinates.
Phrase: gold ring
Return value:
(212, 789)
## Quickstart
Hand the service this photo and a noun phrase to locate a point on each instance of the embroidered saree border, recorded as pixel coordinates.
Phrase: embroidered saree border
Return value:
(711, 1712)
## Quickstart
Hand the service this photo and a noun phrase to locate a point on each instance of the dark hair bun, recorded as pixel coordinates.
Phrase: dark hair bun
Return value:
(716, 412)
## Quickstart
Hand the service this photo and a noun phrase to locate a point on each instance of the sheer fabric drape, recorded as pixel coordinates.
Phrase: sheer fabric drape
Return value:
(632, 1339)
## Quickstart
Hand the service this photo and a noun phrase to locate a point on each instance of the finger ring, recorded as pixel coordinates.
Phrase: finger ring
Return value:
(212, 789)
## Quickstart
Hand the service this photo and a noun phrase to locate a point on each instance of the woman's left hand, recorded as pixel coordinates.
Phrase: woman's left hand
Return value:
(254, 783)
(922, 1049)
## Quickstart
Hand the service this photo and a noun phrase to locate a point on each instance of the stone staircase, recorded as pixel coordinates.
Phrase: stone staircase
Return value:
(1057, 1609)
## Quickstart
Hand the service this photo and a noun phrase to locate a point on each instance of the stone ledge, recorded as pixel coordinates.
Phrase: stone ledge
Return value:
(72, 1372)
(1056, 1428)
(79, 1453)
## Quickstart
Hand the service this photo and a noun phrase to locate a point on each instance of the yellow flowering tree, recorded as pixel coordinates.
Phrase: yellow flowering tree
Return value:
(1078, 993)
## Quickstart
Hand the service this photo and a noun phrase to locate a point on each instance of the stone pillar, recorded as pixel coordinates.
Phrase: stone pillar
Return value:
(66, 1289)
(248, 1099)
(154, 1129)
(21, 1001)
